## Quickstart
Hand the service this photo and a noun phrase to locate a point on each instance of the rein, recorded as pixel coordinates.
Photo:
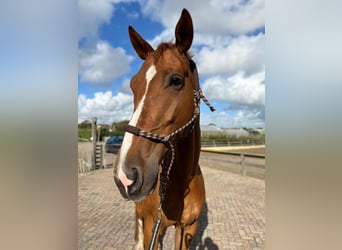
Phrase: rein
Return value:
(167, 141)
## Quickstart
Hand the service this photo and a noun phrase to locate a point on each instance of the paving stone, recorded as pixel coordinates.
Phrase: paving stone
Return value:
(234, 217)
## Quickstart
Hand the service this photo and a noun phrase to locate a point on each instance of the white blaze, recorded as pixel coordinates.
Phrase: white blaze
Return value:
(128, 138)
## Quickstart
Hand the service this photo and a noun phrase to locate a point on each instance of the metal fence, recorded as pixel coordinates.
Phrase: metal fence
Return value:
(226, 142)
(86, 155)
(245, 164)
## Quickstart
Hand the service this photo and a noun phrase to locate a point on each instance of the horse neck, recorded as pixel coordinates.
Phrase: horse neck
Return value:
(187, 156)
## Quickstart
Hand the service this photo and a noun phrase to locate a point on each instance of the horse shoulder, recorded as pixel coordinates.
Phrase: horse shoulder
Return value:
(194, 201)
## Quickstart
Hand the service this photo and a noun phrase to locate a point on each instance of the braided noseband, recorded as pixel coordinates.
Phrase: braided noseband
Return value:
(167, 141)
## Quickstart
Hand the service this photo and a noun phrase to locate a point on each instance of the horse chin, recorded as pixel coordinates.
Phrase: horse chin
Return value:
(153, 186)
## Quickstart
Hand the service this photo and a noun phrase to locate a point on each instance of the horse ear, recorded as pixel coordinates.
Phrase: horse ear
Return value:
(184, 31)
(140, 46)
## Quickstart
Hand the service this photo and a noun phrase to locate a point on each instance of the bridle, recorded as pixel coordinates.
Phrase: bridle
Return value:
(167, 138)
(167, 141)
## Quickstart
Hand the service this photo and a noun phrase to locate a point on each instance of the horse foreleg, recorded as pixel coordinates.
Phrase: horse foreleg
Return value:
(184, 236)
(139, 234)
(148, 229)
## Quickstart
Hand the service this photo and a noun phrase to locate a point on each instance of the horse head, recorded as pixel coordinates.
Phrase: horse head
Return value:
(163, 92)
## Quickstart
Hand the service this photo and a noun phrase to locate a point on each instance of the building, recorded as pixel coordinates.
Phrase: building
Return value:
(237, 132)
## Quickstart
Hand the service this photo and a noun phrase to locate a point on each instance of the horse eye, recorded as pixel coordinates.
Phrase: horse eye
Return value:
(176, 81)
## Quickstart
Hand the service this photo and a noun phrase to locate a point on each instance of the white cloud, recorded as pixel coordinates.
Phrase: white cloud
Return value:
(215, 17)
(133, 14)
(249, 118)
(237, 89)
(92, 14)
(166, 35)
(103, 64)
(213, 41)
(106, 107)
(240, 54)
(126, 87)
(227, 55)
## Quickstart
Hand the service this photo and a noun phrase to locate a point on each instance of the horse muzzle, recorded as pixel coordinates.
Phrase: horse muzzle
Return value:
(135, 186)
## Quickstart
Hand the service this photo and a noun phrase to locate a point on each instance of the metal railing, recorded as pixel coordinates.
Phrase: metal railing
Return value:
(243, 163)
(86, 155)
(226, 142)
(88, 159)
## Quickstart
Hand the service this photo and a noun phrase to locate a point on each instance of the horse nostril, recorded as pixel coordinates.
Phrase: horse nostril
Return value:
(135, 186)
(132, 175)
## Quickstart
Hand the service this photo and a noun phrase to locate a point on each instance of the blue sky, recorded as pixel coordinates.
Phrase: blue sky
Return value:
(228, 48)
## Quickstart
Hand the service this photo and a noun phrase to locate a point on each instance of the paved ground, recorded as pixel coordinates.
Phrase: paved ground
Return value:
(234, 216)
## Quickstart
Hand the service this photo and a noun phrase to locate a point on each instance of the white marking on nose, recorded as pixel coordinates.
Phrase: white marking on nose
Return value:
(128, 138)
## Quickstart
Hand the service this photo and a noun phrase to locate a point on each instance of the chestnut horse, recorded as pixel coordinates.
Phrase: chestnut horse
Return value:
(157, 166)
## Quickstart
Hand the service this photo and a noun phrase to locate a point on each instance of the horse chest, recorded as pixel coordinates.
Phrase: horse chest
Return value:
(184, 206)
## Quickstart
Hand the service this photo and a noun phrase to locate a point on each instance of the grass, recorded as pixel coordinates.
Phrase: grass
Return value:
(84, 134)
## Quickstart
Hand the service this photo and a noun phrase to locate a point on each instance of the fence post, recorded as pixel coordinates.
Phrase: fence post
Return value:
(93, 134)
(243, 166)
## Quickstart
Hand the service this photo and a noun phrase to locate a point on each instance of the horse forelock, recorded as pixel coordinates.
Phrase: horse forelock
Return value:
(168, 46)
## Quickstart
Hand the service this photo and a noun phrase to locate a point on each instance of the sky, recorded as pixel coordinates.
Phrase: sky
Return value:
(228, 48)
